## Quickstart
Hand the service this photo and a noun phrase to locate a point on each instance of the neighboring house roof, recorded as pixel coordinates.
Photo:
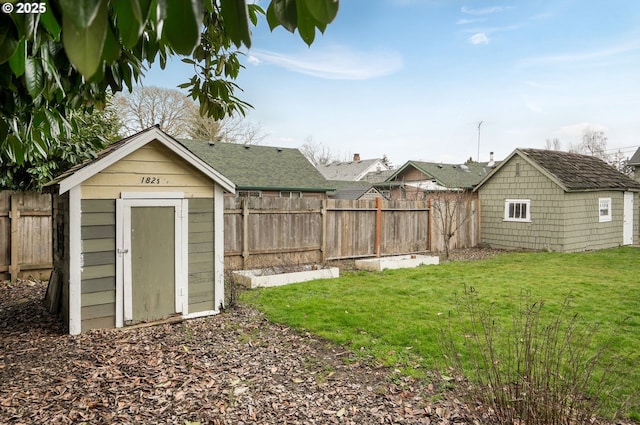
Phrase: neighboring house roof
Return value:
(346, 189)
(378, 176)
(635, 159)
(118, 150)
(572, 171)
(254, 167)
(342, 184)
(451, 176)
(356, 192)
(352, 170)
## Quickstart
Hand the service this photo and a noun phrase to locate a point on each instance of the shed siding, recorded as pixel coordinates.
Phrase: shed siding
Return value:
(98, 275)
(201, 255)
(547, 210)
(152, 168)
(583, 231)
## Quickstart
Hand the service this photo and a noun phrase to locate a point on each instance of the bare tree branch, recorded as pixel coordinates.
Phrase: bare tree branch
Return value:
(316, 152)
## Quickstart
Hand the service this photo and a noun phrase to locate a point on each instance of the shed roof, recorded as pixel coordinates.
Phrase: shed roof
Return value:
(453, 176)
(572, 171)
(254, 167)
(118, 150)
(350, 170)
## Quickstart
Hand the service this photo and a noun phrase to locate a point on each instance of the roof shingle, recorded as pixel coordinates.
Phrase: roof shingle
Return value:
(260, 167)
(580, 172)
(452, 176)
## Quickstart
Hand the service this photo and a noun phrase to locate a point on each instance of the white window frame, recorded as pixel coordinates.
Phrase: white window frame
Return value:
(290, 194)
(249, 193)
(526, 202)
(604, 210)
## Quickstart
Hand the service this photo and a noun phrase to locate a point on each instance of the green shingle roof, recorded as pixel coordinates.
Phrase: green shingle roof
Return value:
(452, 176)
(254, 167)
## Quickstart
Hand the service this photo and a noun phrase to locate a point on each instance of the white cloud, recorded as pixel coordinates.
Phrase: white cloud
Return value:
(464, 21)
(577, 130)
(337, 63)
(532, 106)
(253, 60)
(583, 56)
(482, 11)
(542, 86)
(479, 38)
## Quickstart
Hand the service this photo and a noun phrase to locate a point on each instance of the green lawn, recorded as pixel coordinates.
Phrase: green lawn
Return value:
(395, 317)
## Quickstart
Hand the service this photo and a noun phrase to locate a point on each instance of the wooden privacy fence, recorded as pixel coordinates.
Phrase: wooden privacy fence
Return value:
(261, 232)
(25, 235)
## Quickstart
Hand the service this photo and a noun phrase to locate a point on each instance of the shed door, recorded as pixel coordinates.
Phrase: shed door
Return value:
(627, 226)
(151, 265)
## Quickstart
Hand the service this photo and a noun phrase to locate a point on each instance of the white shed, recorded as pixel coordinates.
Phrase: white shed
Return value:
(138, 235)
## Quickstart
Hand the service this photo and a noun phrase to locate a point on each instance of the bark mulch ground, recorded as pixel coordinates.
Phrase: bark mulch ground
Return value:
(233, 368)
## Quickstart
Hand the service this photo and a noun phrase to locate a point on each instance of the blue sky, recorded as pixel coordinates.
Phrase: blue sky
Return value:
(412, 79)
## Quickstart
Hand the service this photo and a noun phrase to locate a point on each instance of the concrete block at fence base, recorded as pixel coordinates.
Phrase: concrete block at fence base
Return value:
(396, 262)
(264, 278)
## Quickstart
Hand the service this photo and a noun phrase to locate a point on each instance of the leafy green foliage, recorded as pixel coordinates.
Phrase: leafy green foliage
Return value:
(90, 133)
(72, 56)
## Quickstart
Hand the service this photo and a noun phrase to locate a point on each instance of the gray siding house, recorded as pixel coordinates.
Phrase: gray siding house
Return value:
(559, 201)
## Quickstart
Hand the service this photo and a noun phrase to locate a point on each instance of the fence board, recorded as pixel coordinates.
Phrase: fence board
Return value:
(25, 234)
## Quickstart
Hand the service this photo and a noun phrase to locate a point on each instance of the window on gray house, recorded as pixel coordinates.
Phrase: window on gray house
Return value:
(604, 209)
(517, 210)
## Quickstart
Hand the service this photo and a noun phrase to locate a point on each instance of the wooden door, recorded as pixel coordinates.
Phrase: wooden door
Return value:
(152, 263)
(152, 258)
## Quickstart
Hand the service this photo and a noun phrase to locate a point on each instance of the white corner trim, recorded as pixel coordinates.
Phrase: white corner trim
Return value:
(75, 266)
(119, 263)
(218, 246)
(181, 281)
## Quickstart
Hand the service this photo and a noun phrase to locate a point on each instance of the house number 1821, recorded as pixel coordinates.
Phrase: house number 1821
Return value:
(149, 180)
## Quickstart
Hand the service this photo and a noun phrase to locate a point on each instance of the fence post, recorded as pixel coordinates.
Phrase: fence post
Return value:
(245, 230)
(378, 224)
(430, 224)
(323, 241)
(14, 216)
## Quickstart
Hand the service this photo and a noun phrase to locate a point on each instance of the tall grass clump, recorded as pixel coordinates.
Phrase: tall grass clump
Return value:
(543, 366)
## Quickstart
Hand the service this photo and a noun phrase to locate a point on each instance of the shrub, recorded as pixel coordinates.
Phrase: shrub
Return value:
(540, 367)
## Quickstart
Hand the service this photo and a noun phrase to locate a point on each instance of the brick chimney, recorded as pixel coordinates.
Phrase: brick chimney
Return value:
(356, 157)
